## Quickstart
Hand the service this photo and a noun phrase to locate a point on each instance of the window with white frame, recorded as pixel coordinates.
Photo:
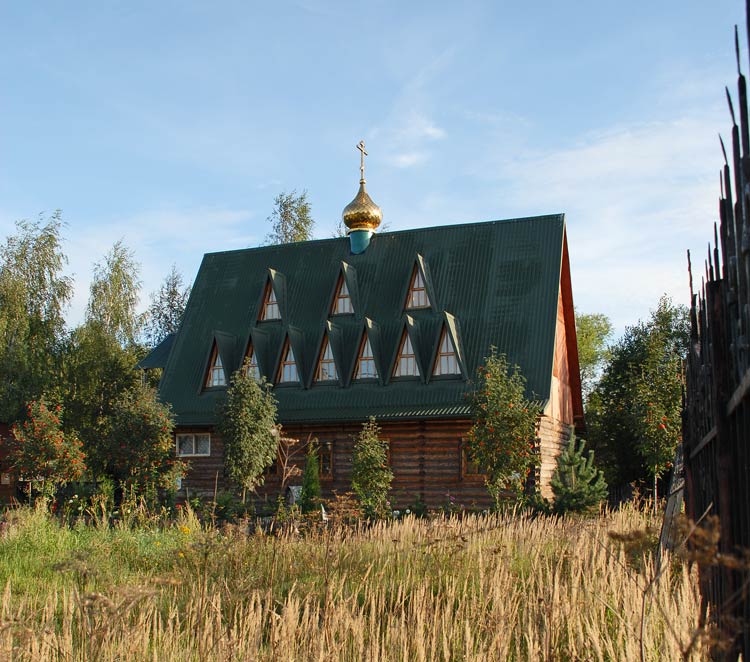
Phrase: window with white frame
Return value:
(216, 375)
(327, 365)
(193, 444)
(270, 310)
(406, 362)
(251, 367)
(417, 297)
(366, 363)
(288, 367)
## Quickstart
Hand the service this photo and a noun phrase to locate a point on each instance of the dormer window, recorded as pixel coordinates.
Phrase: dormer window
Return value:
(270, 310)
(342, 303)
(406, 362)
(326, 371)
(366, 362)
(417, 297)
(446, 362)
(251, 365)
(288, 368)
(216, 375)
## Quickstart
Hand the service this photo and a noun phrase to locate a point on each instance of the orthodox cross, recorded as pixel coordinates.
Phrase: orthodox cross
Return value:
(361, 148)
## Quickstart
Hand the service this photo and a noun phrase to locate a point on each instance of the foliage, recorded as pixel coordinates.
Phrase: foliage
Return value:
(97, 370)
(290, 219)
(502, 438)
(593, 332)
(40, 450)
(310, 495)
(639, 388)
(114, 295)
(371, 475)
(167, 308)
(139, 444)
(577, 484)
(33, 297)
(248, 429)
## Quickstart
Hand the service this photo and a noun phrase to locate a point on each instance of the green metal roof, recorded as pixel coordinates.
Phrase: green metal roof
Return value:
(492, 283)
(157, 357)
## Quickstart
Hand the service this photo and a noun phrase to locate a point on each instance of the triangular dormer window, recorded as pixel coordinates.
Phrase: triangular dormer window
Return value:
(216, 375)
(446, 361)
(342, 302)
(251, 364)
(270, 310)
(417, 297)
(406, 362)
(366, 362)
(326, 371)
(288, 368)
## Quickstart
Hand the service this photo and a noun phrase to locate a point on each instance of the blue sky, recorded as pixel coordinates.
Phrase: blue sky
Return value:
(173, 125)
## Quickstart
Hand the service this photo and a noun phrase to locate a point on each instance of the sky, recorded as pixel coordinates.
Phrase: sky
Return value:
(174, 125)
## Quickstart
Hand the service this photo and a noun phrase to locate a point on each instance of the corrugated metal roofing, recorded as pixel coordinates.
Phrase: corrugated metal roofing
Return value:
(497, 281)
(158, 356)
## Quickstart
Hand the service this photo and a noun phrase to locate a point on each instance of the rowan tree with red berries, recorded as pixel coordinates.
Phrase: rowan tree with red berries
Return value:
(41, 452)
(502, 440)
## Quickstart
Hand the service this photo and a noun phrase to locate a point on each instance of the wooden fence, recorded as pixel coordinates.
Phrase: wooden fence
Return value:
(716, 417)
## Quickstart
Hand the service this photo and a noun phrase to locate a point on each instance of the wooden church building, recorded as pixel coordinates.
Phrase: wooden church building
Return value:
(391, 325)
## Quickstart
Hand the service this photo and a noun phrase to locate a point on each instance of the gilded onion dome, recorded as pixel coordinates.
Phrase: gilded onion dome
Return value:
(362, 213)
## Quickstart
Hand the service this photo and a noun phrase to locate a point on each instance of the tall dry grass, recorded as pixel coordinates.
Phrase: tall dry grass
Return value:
(479, 588)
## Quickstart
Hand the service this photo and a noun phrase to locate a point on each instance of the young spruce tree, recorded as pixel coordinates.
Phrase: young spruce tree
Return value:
(310, 493)
(577, 484)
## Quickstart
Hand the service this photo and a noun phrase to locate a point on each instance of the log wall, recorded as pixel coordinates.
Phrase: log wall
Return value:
(425, 456)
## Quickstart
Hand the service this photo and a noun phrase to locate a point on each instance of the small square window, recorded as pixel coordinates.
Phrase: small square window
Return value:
(189, 445)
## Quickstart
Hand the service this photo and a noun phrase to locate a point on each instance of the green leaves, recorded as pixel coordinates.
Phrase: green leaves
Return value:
(290, 220)
(248, 429)
(502, 438)
(371, 475)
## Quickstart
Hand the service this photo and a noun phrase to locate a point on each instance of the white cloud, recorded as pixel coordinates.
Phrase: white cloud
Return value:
(158, 238)
(636, 198)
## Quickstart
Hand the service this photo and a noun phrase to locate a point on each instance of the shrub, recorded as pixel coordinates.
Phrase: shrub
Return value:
(248, 428)
(310, 495)
(371, 475)
(502, 439)
(578, 485)
(40, 451)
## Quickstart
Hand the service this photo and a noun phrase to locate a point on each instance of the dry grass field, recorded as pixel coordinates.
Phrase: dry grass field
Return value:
(478, 588)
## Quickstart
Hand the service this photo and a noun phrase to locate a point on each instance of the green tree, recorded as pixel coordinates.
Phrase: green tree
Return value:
(502, 438)
(593, 332)
(310, 494)
(290, 219)
(167, 308)
(248, 429)
(577, 484)
(114, 295)
(371, 475)
(140, 452)
(640, 387)
(33, 297)
(40, 451)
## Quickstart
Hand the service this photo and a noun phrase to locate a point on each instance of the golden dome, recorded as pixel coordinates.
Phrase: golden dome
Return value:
(362, 213)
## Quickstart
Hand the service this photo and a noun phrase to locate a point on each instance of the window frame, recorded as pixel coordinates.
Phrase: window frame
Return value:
(340, 286)
(269, 294)
(466, 464)
(401, 355)
(193, 435)
(445, 337)
(365, 342)
(417, 274)
(285, 362)
(213, 369)
(326, 447)
(324, 349)
(250, 354)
